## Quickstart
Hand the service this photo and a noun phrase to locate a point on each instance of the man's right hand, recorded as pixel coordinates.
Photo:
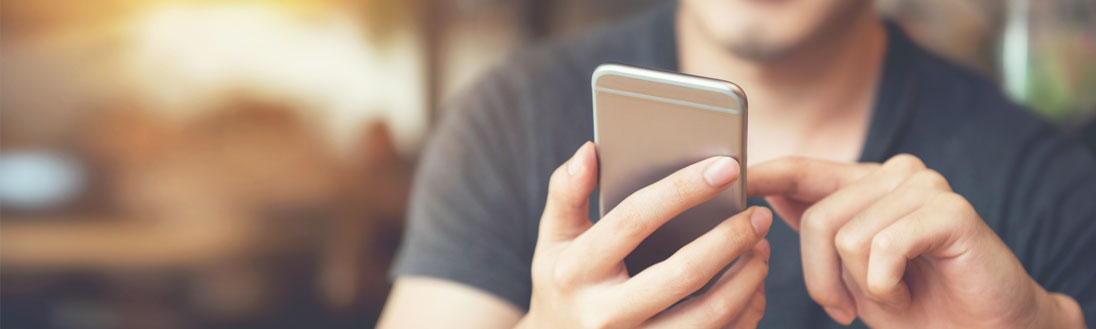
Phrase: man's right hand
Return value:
(579, 277)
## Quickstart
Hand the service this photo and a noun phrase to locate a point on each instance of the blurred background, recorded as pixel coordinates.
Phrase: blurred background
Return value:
(245, 164)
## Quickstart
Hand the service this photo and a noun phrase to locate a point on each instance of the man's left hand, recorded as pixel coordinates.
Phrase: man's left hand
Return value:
(894, 245)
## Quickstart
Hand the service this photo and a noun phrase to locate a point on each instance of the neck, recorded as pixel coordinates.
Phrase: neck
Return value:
(828, 78)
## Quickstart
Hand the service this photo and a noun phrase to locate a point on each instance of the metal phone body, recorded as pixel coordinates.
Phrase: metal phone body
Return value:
(649, 124)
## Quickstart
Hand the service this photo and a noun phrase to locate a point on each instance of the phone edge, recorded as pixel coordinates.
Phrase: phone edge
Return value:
(679, 79)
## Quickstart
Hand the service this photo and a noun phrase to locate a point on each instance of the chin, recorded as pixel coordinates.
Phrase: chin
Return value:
(757, 40)
(756, 29)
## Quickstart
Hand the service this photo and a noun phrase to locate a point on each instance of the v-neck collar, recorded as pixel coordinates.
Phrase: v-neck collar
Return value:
(895, 97)
(894, 100)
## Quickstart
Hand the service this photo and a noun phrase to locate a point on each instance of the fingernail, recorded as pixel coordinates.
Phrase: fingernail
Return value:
(721, 172)
(839, 315)
(761, 218)
(575, 164)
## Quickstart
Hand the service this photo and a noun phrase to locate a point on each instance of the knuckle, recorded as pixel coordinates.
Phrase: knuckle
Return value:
(815, 220)
(718, 308)
(566, 274)
(739, 233)
(911, 195)
(883, 242)
(683, 278)
(930, 178)
(850, 243)
(629, 224)
(952, 202)
(904, 162)
(877, 289)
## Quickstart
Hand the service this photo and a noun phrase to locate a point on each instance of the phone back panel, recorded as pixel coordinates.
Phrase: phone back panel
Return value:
(647, 125)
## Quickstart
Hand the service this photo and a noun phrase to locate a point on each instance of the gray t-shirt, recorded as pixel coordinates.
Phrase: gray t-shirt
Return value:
(482, 181)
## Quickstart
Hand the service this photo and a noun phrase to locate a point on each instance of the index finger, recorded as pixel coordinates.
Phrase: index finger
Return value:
(801, 178)
(642, 212)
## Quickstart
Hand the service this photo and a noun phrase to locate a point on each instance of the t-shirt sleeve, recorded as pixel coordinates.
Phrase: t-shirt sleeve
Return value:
(1052, 222)
(468, 215)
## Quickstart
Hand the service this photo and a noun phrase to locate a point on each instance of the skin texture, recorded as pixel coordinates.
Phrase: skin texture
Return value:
(894, 245)
(579, 278)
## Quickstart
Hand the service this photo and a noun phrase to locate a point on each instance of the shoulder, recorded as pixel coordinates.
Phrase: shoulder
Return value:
(1018, 170)
(540, 95)
(561, 68)
(952, 94)
(966, 114)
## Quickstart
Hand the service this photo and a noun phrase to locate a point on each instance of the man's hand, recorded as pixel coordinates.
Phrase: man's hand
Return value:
(893, 244)
(579, 278)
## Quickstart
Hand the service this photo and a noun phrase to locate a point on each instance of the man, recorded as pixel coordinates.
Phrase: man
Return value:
(911, 193)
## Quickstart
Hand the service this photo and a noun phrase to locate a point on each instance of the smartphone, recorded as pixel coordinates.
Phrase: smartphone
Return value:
(650, 123)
